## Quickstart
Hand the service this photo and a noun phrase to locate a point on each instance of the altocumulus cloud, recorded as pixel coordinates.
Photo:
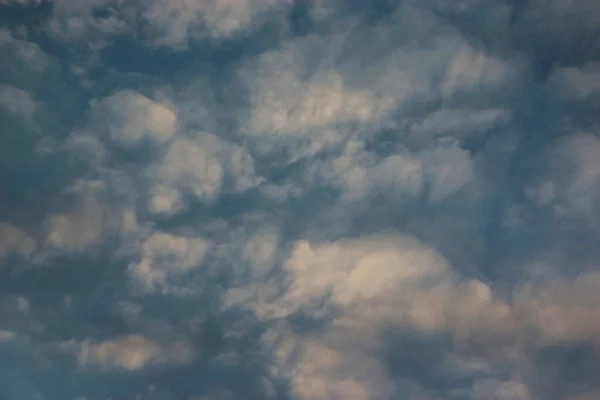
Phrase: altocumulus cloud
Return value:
(326, 199)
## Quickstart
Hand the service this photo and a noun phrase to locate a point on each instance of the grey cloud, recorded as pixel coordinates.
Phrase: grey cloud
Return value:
(16, 100)
(130, 352)
(132, 117)
(339, 281)
(303, 200)
(164, 255)
(200, 167)
(161, 23)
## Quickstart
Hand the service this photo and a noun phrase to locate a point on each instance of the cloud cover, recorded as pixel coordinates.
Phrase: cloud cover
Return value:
(299, 200)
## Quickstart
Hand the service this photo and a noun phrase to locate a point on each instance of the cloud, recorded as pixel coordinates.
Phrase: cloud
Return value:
(132, 117)
(359, 174)
(358, 290)
(16, 100)
(562, 311)
(162, 23)
(164, 256)
(279, 107)
(25, 58)
(80, 22)
(130, 352)
(299, 200)
(576, 82)
(491, 389)
(174, 23)
(89, 222)
(573, 175)
(15, 241)
(200, 167)
(362, 288)
(6, 336)
(471, 69)
(295, 105)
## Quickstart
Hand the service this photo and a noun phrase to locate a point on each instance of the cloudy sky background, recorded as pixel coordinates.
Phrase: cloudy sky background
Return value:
(278, 199)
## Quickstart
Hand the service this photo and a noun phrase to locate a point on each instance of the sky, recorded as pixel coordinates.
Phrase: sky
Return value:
(299, 199)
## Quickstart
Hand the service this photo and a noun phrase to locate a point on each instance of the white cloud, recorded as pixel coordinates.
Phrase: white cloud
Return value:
(576, 82)
(188, 167)
(130, 352)
(165, 257)
(361, 287)
(23, 51)
(562, 310)
(174, 23)
(75, 22)
(281, 108)
(24, 63)
(361, 174)
(23, 304)
(15, 241)
(132, 117)
(365, 285)
(325, 367)
(6, 336)
(444, 170)
(472, 69)
(169, 23)
(382, 116)
(86, 146)
(90, 220)
(491, 389)
(415, 280)
(577, 177)
(16, 100)
(458, 123)
(260, 249)
(200, 167)
(450, 168)
(293, 106)
(253, 244)
(312, 94)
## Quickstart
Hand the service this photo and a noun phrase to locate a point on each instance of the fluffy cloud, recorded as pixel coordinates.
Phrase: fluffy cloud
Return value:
(164, 23)
(90, 221)
(304, 110)
(493, 389)
(131, 117)
(570, 186)
(15, 241)
(563, 311)
(165, 256)
(357, 291)
(6, 336)
(173, 23)
(362, 288)
(299, 200)
(201, 167)
(16, 100)
(26, 60)
(576, 82)
(130, 352)
(471, 69)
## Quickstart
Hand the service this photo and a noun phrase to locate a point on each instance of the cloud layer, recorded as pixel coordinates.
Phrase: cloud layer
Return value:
(303, 200)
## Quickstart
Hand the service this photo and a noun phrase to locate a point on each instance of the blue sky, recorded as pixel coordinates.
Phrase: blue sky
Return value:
(279, 199)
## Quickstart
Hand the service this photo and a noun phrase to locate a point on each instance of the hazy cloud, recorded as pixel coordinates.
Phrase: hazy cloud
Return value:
(130, 352)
